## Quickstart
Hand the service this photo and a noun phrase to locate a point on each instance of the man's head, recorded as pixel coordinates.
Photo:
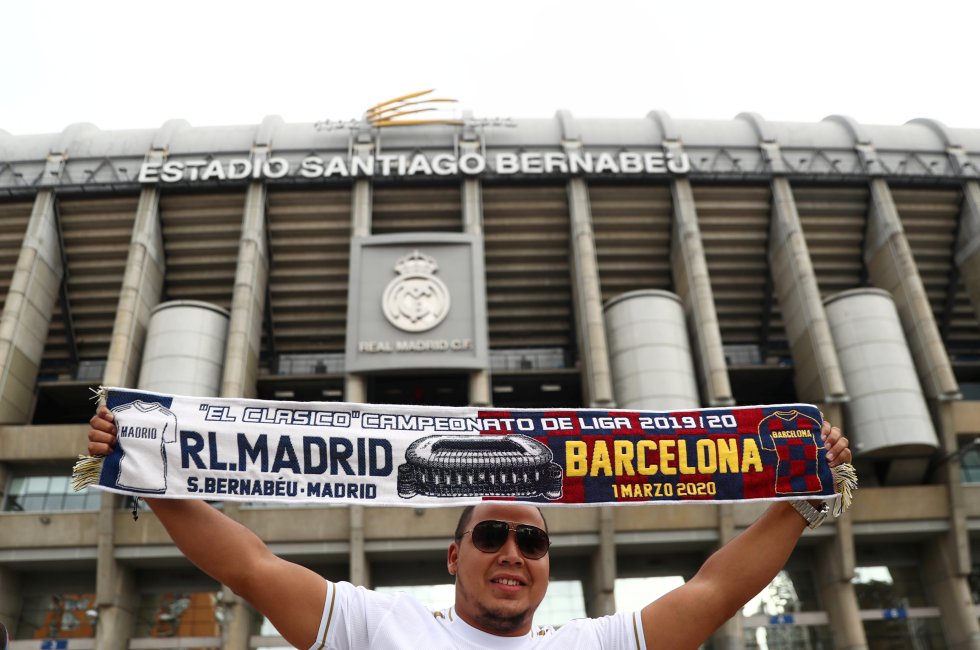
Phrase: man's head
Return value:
(498, 591)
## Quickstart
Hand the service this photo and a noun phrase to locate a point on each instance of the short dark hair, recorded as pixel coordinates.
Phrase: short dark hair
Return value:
(467, 515)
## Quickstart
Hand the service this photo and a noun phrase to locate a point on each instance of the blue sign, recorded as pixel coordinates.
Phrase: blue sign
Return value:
(781, 619)
(56, 644)
(895, 613)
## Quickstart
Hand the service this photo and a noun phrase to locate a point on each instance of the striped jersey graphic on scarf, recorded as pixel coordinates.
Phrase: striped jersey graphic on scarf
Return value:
(149, 428)
(794, 437)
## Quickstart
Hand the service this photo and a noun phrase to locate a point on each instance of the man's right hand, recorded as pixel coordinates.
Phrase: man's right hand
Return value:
(102, 435)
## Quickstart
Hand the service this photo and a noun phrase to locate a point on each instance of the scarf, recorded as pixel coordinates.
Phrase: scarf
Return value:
(171, 446)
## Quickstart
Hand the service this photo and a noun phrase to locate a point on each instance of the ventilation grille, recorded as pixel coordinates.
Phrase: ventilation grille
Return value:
(632, 226)
(13, 225)
(96, 236)
(416, 209)
(834, 221)
(309, 239)
(929, 218)
(734, 223)
(529, 300)
(200, 241)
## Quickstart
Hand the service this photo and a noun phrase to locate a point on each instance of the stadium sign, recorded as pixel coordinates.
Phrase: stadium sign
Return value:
(417, 301)
(393, 165)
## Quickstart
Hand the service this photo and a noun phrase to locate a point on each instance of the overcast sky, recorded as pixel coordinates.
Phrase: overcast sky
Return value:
(133, 64)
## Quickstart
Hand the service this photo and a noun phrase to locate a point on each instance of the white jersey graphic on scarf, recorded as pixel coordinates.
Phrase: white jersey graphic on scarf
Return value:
(144, 428)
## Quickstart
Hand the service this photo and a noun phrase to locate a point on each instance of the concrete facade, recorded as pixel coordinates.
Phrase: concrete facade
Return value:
(749, 254)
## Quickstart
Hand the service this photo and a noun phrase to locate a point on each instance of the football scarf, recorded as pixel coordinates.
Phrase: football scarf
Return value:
(177, 447)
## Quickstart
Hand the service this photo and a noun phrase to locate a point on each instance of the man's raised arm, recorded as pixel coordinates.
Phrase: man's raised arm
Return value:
(686, 616)
(290, 595)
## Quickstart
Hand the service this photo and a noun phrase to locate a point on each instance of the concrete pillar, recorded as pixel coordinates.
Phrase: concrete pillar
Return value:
(946, 559)
(817, 371)
(833, 573)
(968, 243)
(28, 309)
(242, 349)
(141, 290)
(892, 268)
(950, 591)
(472, 203)
(600, 587)
(355, 389)
(587, 296)
(11, 599)
(116, 593)
(693, 285)
(731, 634)
(236, 627)
(360, 568)
(835, 562)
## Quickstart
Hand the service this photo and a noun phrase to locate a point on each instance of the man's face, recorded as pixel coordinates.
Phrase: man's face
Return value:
(498, 592)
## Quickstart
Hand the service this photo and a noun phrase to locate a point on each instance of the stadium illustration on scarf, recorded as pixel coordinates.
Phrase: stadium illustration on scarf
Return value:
(425, 456)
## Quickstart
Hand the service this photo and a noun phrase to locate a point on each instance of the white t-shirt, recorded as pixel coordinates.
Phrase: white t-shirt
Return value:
(355, 618)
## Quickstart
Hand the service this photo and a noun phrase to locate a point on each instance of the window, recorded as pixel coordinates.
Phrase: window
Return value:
(635, 593)
(786, 615)
(179, 614)
(970, 463)
(894, 608)
(46, 493)
(57, 616)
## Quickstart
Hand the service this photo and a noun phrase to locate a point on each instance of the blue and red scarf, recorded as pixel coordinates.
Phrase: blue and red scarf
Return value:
(426, 456)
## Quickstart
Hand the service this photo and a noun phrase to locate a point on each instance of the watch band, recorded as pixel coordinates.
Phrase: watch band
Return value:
(813, 516)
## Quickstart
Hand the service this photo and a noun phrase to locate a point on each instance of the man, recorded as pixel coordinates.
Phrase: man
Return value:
(499, 557)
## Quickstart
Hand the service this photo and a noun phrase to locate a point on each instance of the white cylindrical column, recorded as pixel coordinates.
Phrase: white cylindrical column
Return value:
(649, 351)
(887, 415)
(185, 349)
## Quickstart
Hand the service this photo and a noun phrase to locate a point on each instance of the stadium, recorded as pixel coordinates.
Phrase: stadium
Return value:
(651, 263)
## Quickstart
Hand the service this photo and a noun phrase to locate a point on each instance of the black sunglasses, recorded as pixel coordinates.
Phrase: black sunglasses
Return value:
(489, 536)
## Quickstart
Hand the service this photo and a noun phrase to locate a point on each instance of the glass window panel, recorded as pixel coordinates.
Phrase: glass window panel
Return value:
(177, 614)
(13, 504)
(48, 494)
(32, 503)
(54, 501)
(884, 587)
(17, 485)
(907, 634)
(73, 502)
(970, 464)
(789, 592)
(268, 629)
(56, 616)
(37, 484)
(636, 593)
(563, 602)
(93, 499)
(788, 637)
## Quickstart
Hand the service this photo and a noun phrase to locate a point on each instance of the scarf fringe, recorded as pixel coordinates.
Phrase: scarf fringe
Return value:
(86, 472)
(845, 483)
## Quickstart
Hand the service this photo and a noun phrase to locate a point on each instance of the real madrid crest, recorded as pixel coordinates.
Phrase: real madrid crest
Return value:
(416, 300)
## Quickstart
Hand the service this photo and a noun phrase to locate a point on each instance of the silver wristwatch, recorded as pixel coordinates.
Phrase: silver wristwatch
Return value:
(814, 516)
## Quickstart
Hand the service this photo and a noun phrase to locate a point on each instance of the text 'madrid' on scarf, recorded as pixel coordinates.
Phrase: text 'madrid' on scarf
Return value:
(170, 446)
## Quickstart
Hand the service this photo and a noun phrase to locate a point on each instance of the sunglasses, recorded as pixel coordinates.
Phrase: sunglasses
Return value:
(489, 536)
